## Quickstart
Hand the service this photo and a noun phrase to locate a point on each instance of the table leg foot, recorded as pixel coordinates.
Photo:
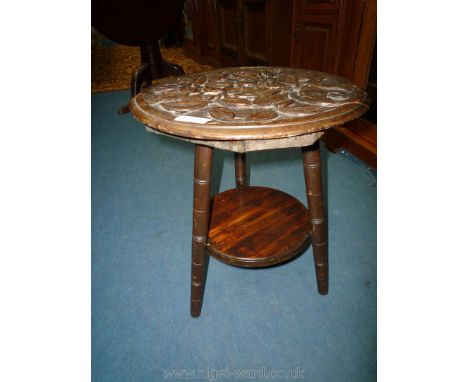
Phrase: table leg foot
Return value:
(138, 76)
(201, 215)
(170, 69)
(241, 173)
(313, 181)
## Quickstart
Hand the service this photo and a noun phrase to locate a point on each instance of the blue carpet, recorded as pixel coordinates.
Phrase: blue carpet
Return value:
(271, 320)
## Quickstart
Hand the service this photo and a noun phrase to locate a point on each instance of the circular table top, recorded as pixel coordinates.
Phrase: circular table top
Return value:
(249, 103)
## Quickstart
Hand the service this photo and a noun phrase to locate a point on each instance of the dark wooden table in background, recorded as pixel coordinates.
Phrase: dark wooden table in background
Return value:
(247, 109)
(140, 24)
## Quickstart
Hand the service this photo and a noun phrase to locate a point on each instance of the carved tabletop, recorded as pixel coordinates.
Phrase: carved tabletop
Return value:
(249, 103)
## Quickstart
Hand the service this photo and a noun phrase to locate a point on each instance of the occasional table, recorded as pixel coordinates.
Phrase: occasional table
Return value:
(248, 109)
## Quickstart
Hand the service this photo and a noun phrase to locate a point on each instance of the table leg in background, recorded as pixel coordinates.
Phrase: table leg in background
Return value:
(241, 173)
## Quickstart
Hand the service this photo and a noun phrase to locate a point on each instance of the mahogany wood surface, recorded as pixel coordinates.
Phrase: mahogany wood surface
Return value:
(256, 227)
(249, 103)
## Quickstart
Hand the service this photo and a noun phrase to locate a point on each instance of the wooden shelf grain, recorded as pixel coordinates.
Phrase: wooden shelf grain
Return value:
(257, 227)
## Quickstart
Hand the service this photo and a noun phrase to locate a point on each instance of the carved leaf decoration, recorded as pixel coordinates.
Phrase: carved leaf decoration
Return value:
(312, 91)
(235, 101)
(213, 92)
(184, 105)
(222, 113)
(217, 85)
(240, 96)
(287, 78)
(333, 84)
(268, 90)
(338, 95)
(295, 108)
(262, 115)
(284, 104)
(244, 74)
(270, 100)
(303, 76)
(166, 92)
(187, 90)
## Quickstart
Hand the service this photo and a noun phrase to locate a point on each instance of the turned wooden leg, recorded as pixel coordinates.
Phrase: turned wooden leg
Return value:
(241, 173)
(201, 214)
(313, 181)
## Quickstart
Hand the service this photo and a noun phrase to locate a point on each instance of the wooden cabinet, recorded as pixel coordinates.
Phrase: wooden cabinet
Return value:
(242, 32)
(339, 37)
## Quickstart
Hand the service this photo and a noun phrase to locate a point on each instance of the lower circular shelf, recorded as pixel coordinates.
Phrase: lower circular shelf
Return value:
(256, 227)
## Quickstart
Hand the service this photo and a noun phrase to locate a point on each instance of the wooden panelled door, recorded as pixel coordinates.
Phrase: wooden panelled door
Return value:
(339, 37)
(256, 29)
(254, 32)
(326, 34)
(230, 23)
(209, 29)
(315, 34)
(244, 31)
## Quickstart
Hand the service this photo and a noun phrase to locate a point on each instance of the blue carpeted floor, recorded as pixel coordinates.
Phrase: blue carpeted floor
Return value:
(269, 319)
